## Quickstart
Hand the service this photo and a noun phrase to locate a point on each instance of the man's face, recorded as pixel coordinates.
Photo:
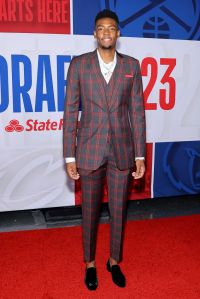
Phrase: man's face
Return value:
(106, 33)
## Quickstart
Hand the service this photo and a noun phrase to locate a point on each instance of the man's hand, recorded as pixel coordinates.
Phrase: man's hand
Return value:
(140, 169)
(72, 170)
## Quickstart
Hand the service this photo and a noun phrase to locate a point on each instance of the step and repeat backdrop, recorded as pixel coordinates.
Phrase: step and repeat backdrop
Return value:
(38, 39)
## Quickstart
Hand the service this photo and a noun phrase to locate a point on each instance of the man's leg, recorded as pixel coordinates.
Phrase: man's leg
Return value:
(92, 189)
(118, 183)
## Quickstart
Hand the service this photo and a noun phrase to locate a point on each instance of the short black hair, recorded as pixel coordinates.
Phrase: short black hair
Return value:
(106, 13)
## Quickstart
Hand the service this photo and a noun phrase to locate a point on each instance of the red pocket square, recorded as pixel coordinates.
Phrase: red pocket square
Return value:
(128, 76)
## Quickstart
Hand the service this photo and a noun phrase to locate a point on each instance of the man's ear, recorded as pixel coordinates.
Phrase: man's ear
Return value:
(95, 35)
(118, 33)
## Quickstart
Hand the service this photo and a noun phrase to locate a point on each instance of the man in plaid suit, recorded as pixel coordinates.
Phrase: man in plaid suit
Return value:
(110, 138)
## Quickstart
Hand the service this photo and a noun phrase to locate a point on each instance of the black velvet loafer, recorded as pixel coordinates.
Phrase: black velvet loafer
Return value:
(91, 278)
(117, 275)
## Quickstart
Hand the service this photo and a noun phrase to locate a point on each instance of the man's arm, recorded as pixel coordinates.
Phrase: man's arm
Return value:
(71, 111)
(137, 118)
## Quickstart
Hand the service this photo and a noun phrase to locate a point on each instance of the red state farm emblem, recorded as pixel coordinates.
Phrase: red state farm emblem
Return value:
(14, 126)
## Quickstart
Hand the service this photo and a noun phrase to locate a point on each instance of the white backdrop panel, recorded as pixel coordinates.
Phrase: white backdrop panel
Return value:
(32, 172)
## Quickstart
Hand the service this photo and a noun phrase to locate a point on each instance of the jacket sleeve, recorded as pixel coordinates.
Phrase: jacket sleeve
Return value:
(71, 110)
(137, 114)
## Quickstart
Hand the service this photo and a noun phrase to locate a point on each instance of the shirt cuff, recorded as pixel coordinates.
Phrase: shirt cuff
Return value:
(139, 158)
(70, 159)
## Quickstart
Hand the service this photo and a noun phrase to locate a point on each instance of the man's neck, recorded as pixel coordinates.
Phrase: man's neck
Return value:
(107, 55)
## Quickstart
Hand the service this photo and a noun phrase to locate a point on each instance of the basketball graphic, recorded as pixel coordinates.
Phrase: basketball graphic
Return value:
(184, 176)
(172, 177)
(156, 27)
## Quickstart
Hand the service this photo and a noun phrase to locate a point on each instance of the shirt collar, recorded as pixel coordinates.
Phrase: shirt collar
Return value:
(101, 60)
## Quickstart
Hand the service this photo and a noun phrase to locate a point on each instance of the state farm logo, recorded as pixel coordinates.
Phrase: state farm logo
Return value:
(14, 126)
(34, 125)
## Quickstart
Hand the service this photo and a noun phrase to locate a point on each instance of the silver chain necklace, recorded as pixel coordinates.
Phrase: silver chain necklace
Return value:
(108, 67)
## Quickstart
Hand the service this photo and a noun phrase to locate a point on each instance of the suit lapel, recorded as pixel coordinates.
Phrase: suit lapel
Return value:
(116, 80)
(97, 77)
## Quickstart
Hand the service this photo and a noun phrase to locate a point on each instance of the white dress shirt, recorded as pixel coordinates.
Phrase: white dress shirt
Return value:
(107, 68)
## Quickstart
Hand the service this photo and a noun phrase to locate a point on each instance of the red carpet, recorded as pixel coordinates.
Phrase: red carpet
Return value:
(161, 260)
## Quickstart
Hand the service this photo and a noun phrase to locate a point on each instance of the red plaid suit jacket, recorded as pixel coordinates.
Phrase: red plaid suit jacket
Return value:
(114, 111)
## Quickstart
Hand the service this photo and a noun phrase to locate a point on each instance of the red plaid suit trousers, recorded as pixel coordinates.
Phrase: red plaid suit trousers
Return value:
(92, 183)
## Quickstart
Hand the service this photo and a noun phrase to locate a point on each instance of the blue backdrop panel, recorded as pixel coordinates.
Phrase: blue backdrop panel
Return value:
(167, 19)
(177, 168)
(84, 13)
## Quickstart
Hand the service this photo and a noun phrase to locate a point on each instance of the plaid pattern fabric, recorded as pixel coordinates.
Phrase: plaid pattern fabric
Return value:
(116, 110)
(92, 187)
